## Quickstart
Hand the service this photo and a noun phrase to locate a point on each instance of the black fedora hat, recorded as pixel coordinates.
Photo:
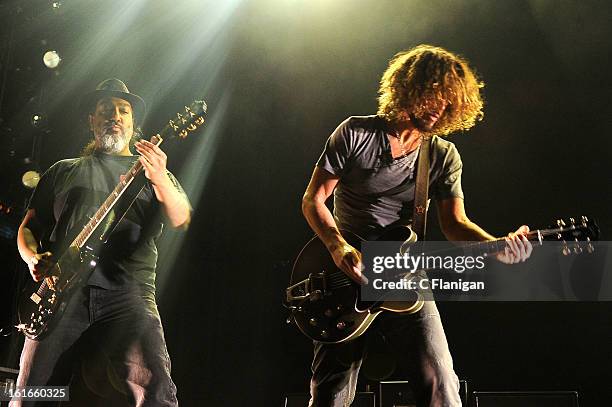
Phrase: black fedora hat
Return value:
(114, 87)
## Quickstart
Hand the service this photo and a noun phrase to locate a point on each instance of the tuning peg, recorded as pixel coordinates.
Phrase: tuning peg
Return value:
(560, 223)
(572, 221)
(584, 220)
(577, 247)
(172, 124)
(189, 112)
(565, 250)
(589, 247)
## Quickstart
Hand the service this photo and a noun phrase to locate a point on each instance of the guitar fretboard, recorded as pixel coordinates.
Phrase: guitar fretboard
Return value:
(110, 201)
(498, 245)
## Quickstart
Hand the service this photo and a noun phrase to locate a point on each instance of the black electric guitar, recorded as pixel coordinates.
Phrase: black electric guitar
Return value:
(43, 303)
(325, 304)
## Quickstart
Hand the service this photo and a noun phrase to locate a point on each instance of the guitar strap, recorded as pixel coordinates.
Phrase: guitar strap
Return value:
(127, 199)
(421, 191)
(123, 205)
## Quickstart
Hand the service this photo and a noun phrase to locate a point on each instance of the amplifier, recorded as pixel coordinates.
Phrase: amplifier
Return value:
(525, 399)
(399, 394)
(362, 399)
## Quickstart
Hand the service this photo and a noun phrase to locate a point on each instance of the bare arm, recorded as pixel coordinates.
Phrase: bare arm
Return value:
(456, 226)
(26, 242)
(321, 220)
(174, 204)
(27, 245)
(318, 216)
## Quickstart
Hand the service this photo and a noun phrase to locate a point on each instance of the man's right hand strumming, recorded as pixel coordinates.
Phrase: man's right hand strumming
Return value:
(348, 259)
(39, 264)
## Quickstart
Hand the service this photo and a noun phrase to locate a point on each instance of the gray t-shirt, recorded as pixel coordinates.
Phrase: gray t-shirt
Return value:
(375, 190)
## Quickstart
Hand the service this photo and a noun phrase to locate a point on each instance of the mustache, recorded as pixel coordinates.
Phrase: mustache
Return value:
(108, 125)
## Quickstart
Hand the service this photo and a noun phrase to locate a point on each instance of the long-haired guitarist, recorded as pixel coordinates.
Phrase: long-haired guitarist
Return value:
(369, 164)
(111, 326)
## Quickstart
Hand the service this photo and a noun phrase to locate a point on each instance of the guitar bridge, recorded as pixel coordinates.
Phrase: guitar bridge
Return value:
(314, 287)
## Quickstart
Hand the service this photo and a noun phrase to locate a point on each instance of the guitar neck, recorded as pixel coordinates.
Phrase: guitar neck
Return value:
(494, 246)
(111, 200)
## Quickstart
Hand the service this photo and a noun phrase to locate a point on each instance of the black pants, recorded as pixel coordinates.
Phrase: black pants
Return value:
(109, 347)
(416, 341)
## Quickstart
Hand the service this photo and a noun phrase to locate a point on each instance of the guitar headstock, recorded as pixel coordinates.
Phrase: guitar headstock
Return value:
(575, 234)
(186, 121)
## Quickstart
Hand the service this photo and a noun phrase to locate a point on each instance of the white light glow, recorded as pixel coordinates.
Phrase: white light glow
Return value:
(51, 59)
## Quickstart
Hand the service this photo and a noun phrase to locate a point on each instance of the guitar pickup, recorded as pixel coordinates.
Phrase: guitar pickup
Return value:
(318, 286)
(36, 298)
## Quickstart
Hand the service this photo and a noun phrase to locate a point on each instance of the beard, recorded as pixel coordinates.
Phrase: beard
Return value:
(111, 143)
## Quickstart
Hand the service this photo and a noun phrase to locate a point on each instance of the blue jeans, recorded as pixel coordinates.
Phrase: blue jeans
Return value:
(416, 341)
(109, 347)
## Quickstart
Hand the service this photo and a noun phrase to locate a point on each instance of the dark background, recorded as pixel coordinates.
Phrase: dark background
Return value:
(278, 76)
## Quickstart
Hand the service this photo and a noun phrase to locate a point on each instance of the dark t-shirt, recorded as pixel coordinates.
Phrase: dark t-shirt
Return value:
(375, 190)
(72, 190)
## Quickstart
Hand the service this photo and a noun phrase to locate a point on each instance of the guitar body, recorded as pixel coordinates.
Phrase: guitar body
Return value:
(326, 304)
(43, 303)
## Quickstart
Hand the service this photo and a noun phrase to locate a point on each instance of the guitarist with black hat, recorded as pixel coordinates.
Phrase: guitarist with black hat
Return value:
(110, 325)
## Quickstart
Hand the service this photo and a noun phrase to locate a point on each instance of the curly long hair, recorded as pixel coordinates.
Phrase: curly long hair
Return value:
(424, 75)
